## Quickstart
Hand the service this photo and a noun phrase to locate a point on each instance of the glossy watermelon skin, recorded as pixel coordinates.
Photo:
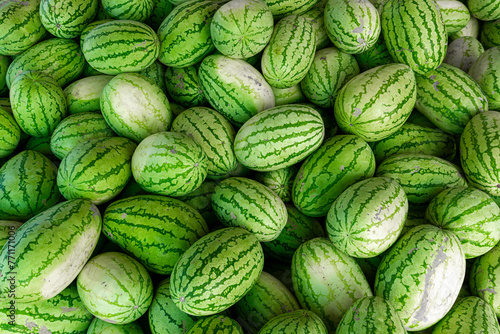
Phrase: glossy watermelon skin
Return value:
(282, 8)
(300, 322)
(455, 15)
(472, 29)
(375, 56)
(487, 74)
(67, 19)
(129, 10)
(84, 94)
(7, 228)
(428, 51)
(4, 65)
(490, 34)
(280, 181)
(28, 186)
(98, 326)
(484, 10)
(200, 199)
(10, 134)
(463, 52)
(434, 258)
(159, 240)
(349, 157)
(183, 86)
(231, 247)
(483, 279)
(216, 324)
(108, 52)
(76, 224)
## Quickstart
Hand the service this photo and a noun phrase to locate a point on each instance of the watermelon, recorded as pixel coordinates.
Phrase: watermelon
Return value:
(484, 280)
(216, 271)
(339, 162)
(97, 169)
(282, 8)
(449, 98)
(242, 28)
(4, 65)
(472, 29)
(160, 11)
(169, 163)
(267, 299)
(280, 181)
(471, 314)
(98, 326)
(67, 19)
(330, 70)
(134, 107)
(214, 134)
(115, 288)
(40, 145)
(371, 315)
(326, 280)
(367, 218)
(413, 138)
(91, 26)
(220, 324)
(375, 56)
(279, 137)
(156, 73)
(484, 10)
(376, 103)
(107, 50)
(61, 314)
(299, 228)
(20, 26)
(243, 202)
(353, 27)
(183, 86)
(65, 235)
(136, 10)
(421, 176)
(60, 58)
(298, 322)
(424, 53)
(38, 103)
(486, 72)
(27, 186)
(84, 94)
(234, 88)
(490, 34)
(455, 15)
(291, 95)
(478, 152)
(185, 33)
(316, 16)
(469, 213)
(156, 230)
(10, 134)
(7, 230)
(164, 316)
(434, 260)
(200, 199)
(290, 52)
(463, 52)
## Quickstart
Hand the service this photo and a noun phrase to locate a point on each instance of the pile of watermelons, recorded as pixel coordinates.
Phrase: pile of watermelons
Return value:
(249, 166)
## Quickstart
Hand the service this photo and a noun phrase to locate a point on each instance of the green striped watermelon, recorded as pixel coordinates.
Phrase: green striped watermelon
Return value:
(135, 107)
(353, 27)
(156, 230)
(376, 103)
(478, 152)
(60, 58)
(470, 315)
(216, 271)
(421, 275)
(415, 217)
(421, 176)
(282, 8)
(339, 162)
(416, 117)
(330, 70)
(371, 315)
(455, 15)
(160, 11)
(297, 322)
(65, 236)
(299, 228)
(214, 134)
(367, 218)
(4, 65)
(185, 33)
(280, 181)
(98, 326)
(484, 10)
(91, 26)
(424, 53)
(486, 72)
(156, 73)
(281, 271)
(169, 163)
(246, 203)
(27, 186)
(219, 324)
(316, 16)
(61, 314)
(291, 95)
(38, 103)
(242, 28)
(413, 138)
(469, 213)
(375, 56)
(115, 288)
(200, 199)
(279, 137)
(326, 280)
(7, 230)
(449, 98)
(67, 19)
(463, 52)
(20, 26)
(10, 134)
(77, 129)
(137, 10)
(97, 169)
(484, 280)
(183, 85)
(290, 52)
(472, 29)
(490, 34)
(40, 145)
(107, 49)
(84, 94)
(234, 88)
